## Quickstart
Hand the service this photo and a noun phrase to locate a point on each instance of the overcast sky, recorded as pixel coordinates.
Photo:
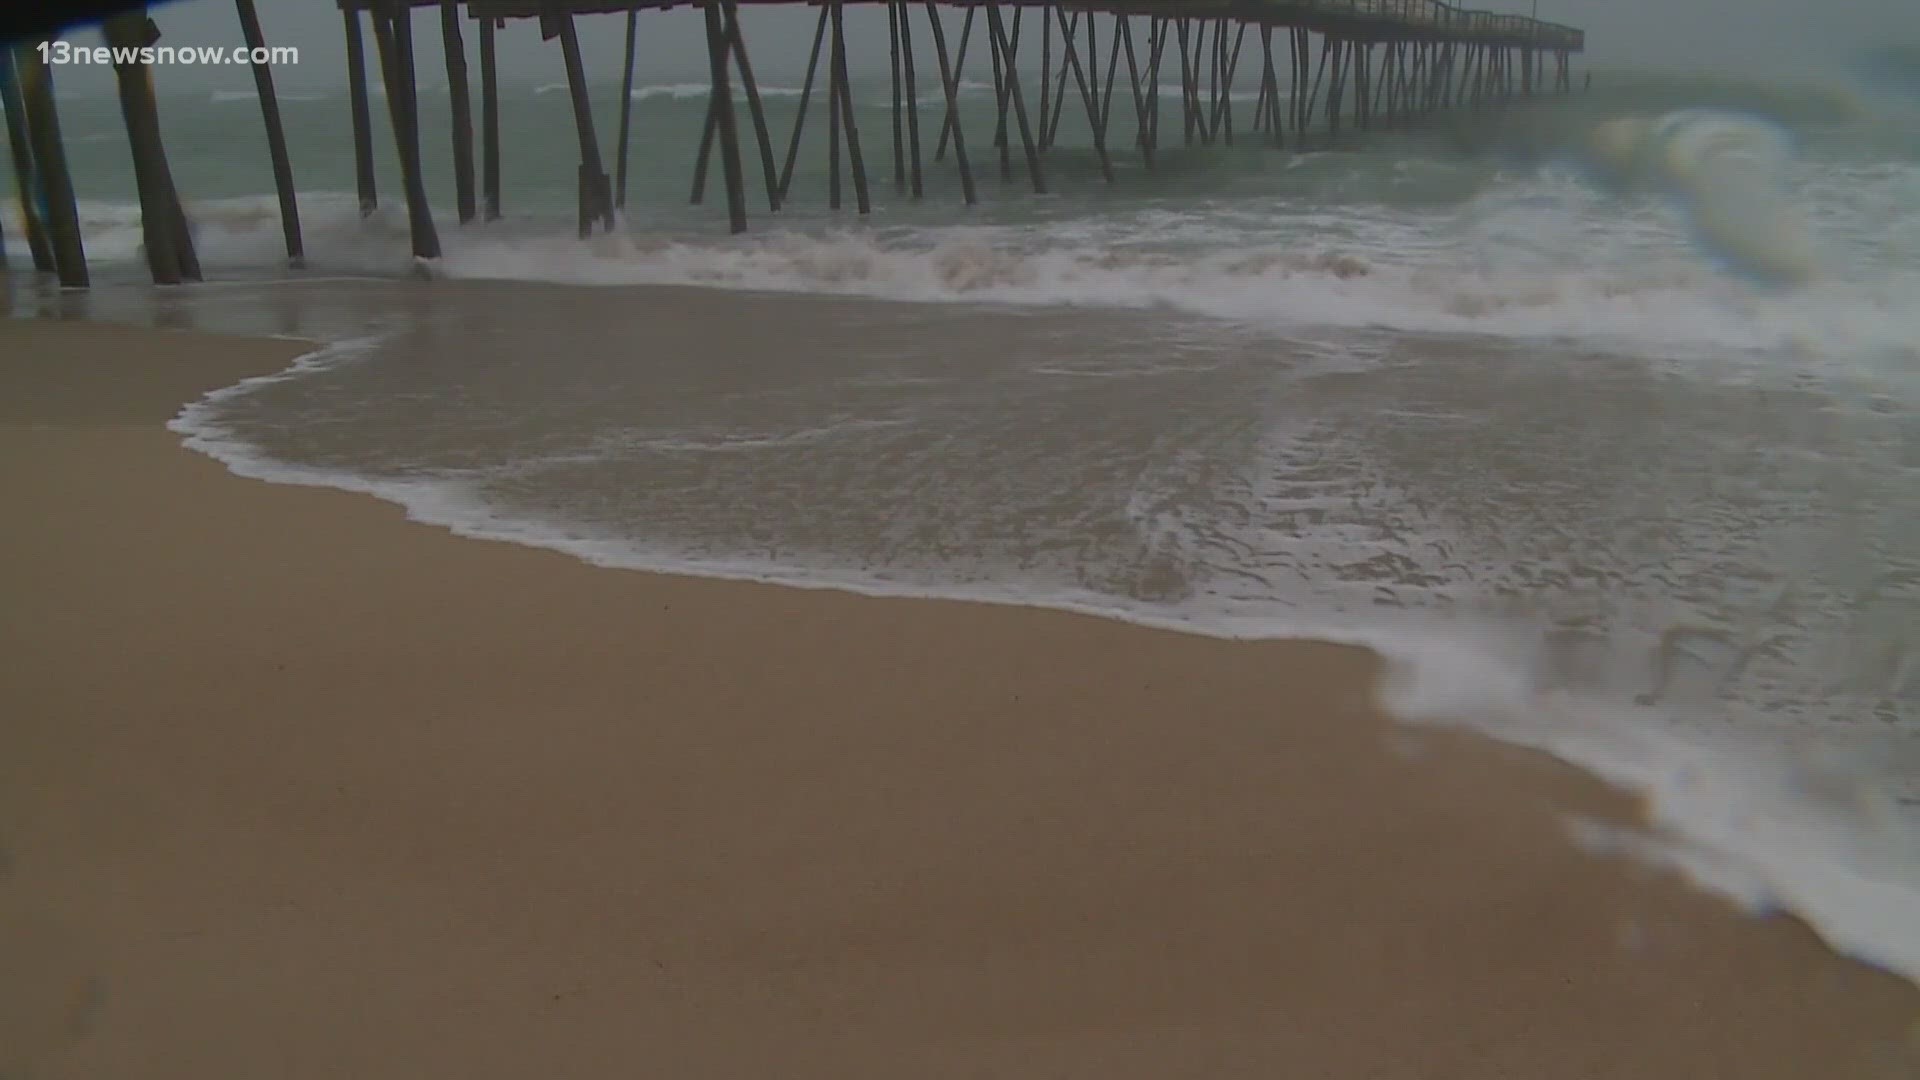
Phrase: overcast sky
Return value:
(1760, 35)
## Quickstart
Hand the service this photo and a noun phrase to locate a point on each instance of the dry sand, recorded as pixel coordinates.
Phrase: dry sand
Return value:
(290, 787)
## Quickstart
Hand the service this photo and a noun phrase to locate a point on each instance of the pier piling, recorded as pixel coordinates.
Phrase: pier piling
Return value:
(455, 47)
(50, 168)
(393, 38)
(276, 133)
(169, 246)
(362, 114)
(489, 124)
(26, 182)
(626, 112)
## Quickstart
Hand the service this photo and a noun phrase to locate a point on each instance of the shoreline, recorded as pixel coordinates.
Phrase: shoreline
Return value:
(1033, 849)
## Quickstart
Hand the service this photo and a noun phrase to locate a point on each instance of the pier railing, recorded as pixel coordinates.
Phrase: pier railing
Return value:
(1439, 19)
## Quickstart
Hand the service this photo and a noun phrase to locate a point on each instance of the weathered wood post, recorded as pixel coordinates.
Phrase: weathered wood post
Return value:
(50, 167)
(949, 84)
(1050, 121)
(489, 124)
(24, 178)
(170, 254)
(1046, 68)
(854, 159)
(761, 135)
(1071, 61)
(362, 113)
(998, 29)
(722, 113)
(455, 47)
(596, 191)
(959, 65)
(833, 109)
(913, 97)
(806, 95)
(626, 113)
(393, 37)
(276, 134)
(998, 62)
(899, 117)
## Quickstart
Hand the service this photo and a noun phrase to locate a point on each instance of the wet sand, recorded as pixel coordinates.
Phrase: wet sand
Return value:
(290, 787)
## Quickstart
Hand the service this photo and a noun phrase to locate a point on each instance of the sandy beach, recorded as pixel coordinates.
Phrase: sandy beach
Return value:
(290, 787)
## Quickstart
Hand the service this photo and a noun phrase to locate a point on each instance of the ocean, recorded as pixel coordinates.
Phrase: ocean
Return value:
(1595, 415)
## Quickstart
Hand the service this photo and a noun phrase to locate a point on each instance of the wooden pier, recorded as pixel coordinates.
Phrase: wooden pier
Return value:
(1347, 64)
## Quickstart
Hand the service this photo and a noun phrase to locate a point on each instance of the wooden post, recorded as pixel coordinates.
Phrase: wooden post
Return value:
(1113, 69)
(998, 63)
(1302, 80)
(1142, 134)
(854, 159)
(1230, 61)
(24, 177)
(1069, 27)
(1072, 62)
(1157, 48)
(170, 254)
(362, 114)
(827, 8)
(1216, 66)
(722, 111)
(1327, 50)
(949, 80)
(455, 48)
(899, 120)
(913, 96)
(596, 194)
(276, 135)
(708, 127)
(1270, 84)
(1047, 68)
(626, 113)
(1335, 87)
(1027, 142)
(50, 166)
(490, 125)
(959, 65)
(393, 37)
(752, 89)
(806, 95)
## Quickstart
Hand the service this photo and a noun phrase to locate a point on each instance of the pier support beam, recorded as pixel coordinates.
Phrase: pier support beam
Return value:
(762, 136)
(276, 134)
(844, 94)
(50, 168)
(596, 192)
(950, 86)
(26, 182)
(1072, 62)
(455, 47)
(362, 114)
(1008, 52)
(902, 12)
(626, 113)
(393, 36)
(806, 96)
(959, 65)
(720, 114)
(170, 255)
(489, 125)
